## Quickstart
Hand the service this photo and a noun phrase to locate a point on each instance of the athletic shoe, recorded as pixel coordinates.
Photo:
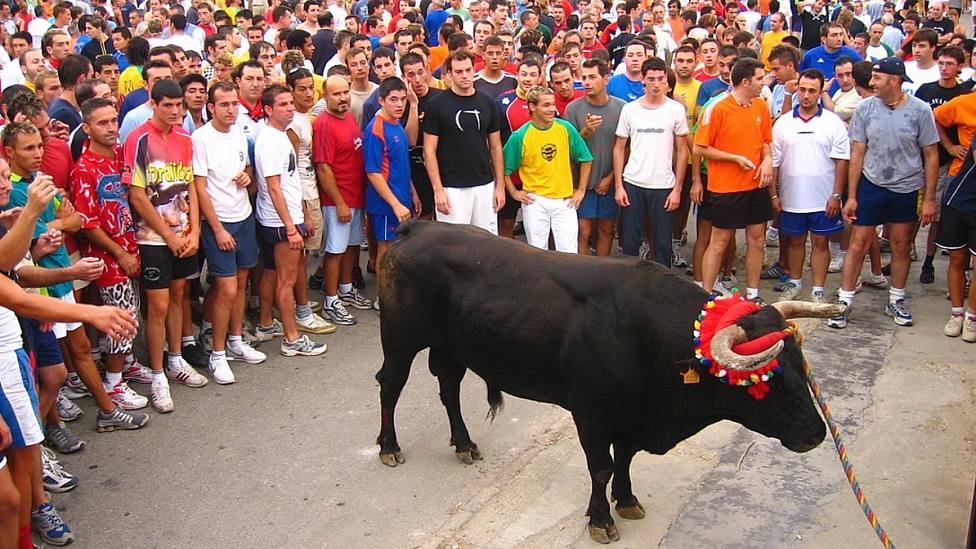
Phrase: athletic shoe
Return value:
(63, 439)
(790, 292)
(876, 281)
(220, 370)
(914, 254)
(953, 327)
(303, 346)
(839, 321)
(684, 236)
(316, 306)
(136, 373)
(969, 330)
(194, 356)
(48, 524)
(728, 282)
(886, 269)
(120, 419)
(899, 312)
(365, 245)
(885, 245)
(314, 324)
(124, 396)
(161, 400)
(55, 478)
(262, 333)
(817, 296)
(836, 264)
(186, 375)
(773, 272)
(206, 339)
(772, 237)
(927, 276)
(315, 282)
(677, 255)
(67, 410)
(246, 353)
(644, 252)
(355, 299)
(74, 387)
(376, 305)
(338, 314)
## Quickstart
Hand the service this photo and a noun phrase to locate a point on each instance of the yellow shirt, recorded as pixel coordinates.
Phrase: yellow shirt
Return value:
(688, 95)
(543, 157)
(770, 40)
(130, 79)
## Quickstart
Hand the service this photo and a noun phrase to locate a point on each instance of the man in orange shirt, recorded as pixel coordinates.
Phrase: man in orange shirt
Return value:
(734, 135)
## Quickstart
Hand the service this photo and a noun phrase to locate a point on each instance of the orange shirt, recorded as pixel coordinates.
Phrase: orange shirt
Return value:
(438, 54)
(959, 112)
(743, 130)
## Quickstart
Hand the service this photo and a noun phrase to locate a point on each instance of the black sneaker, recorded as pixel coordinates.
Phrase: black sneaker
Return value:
(315, 282)
(195, 356)
(928, 274)
(886, 270)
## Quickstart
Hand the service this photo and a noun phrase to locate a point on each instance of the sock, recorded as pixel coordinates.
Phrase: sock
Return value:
(894, 294)
(970, 314)
(797, 281)
(303, 311)
(204, 325)
(957, 311)
(217, 355)
(699, 283)
(345, 288)
(24, 538)
(73, 376)
(159, 377)
(187, 340)
(845, 296)
(818, 289)
(173, 361)
(112, 379)
(330, 299)
(752, 293)
(234, 342)
(834, 248)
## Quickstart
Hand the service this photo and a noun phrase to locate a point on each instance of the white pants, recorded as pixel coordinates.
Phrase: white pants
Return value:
(556, 214)
(472, 206)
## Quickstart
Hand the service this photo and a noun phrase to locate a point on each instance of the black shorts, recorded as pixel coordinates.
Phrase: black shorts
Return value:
(421, 182)
(511, 208)
(705, 208)
(160, 267)
(741, 209)
(957, 230)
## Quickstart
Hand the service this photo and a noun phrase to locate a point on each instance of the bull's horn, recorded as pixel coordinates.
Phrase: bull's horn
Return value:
(722, 352)
(805, 309)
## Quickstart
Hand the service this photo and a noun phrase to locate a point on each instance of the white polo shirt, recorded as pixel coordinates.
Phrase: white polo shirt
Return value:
(804, 151)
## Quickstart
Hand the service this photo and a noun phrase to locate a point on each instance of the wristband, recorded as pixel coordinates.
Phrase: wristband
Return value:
(775, 196)
(835, 196)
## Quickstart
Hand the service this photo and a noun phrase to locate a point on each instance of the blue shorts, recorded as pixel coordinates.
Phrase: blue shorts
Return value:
(271, 236)
(47, 352)
(384, 226)
(221, 263)
(18, 399)
(340, 236)
(797, 224)
(877, 205)
(595, 206)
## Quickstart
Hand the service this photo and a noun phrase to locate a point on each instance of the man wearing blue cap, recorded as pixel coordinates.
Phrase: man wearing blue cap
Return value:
(889, 132)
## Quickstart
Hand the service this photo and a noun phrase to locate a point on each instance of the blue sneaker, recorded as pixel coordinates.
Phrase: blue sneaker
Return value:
(783, 283)
(899, 312)
(840, 321)
(48, 524)
(53, 475)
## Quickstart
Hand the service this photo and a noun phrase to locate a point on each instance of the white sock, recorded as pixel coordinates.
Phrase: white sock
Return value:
(752, 293)
(699, 283)
(894, 294)
(159, 378)
(204, 326)
(798, 282)
(217, 355)
(187, 340)
(173, 360)
(345, 288)
(818, 289)
(234, 342)
(971, 315)
(846, 297)
(330, 299)
(957, 311)
(112, 379)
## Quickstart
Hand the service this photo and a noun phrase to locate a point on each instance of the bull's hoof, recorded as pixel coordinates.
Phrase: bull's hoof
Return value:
(469, 456)
(604, 534)
(634, 512)
(391, 459)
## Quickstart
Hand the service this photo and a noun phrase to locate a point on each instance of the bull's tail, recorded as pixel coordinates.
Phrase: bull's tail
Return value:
(495, 402)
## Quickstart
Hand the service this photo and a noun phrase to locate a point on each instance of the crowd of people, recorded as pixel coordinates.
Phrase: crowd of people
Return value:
(267, 147)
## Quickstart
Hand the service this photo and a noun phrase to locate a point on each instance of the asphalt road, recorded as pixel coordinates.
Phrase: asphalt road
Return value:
(286, 457)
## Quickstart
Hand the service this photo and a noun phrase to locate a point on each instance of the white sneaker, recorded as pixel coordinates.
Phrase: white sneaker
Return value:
(969, 330)
(314, 324)
(791, 292)
(185, 375)
(772, 237)
(953, 328)
(302, 346)
(836, 264)
(126, 398)
(246, 353)
(817, 296)
(220, 370)
(161, 400)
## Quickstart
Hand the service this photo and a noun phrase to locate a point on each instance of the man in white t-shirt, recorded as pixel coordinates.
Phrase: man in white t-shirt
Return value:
(811, 150)
(281, 217)
(922, 69)
(650, 182)
(222, 174)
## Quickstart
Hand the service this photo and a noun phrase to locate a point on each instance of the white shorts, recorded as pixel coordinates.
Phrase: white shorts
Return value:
(472, 206)
(555, 214)
(339, 236)
(18, 399)
(61, 329)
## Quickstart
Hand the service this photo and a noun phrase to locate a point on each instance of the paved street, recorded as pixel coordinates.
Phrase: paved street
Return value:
(286, 457)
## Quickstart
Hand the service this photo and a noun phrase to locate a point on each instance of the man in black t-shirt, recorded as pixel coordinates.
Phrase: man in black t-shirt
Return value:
(414, 71)
(463, 149)
(810, 20)
(938, 21)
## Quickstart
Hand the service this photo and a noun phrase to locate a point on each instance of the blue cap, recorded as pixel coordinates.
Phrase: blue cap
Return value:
(892, 65)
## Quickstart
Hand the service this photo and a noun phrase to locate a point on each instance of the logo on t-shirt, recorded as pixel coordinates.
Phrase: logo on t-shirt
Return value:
(477, 117)
(357, 143)
(549, 151)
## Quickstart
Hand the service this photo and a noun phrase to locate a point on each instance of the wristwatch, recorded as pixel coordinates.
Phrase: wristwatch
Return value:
(835, 195)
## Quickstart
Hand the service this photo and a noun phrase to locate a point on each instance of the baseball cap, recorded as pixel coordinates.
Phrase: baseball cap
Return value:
(893, 66)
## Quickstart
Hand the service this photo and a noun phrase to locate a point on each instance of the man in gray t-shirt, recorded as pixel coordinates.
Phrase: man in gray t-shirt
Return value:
(890, 133)
(595, 115)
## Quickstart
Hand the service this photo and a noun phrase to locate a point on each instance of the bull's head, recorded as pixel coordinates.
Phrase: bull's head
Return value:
(787, 412)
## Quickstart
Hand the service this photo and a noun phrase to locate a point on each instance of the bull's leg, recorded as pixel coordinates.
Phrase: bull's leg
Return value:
(449, 374)
(392, 377)
(627, 505)
(596, 446)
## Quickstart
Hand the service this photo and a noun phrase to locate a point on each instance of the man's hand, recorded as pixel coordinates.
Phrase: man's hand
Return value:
(522, 196)
(744, 163)
(697, 191)
(401, 212)
(129, 263)
(765, 173)
(833, 207)
(593, 121)
(498, 201)
(9, 217)
(66, 208)
(88, 268)
(790, 86)
(418, 206)
(673, 200)
(295, 239)
(47, 243)
(114, 322)
(225, 240)
(603, 187)
(192, 244)
(175, 242)
(577, 198)
(777, 205)
(850, 211)
(242, 179)
(441, 201)
(58, 129)
(957, 151)
(929, 211)
(620, 196)
(39, 194)
(343, 213)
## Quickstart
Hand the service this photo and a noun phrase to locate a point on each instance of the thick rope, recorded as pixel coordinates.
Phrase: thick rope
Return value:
(845, 462)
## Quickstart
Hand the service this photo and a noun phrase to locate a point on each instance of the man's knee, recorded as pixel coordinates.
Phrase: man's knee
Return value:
(52, 376)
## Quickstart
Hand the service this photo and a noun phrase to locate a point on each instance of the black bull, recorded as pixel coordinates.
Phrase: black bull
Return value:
(605, 338)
